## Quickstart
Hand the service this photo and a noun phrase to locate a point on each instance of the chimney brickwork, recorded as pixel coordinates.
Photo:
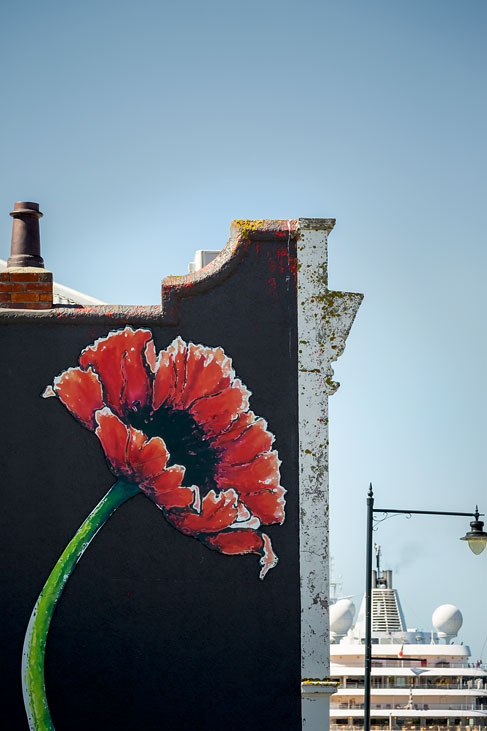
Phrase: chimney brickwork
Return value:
(25, 284)
(26, 288)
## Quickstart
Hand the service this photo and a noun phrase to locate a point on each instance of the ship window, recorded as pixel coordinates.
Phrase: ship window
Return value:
(355, 683)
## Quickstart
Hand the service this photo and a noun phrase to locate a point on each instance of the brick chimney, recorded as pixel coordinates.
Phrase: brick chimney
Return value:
(25, 284)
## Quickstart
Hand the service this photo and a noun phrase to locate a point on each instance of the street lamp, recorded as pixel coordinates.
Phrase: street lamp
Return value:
(476, 537)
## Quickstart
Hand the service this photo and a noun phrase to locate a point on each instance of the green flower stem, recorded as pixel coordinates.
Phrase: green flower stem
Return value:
(33, 685)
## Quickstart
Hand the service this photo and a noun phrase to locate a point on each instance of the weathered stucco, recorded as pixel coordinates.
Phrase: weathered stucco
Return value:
(324, 321)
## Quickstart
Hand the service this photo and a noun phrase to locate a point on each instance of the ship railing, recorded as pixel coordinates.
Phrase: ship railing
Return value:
(395, 727)
(412, 707)
(419, 684)
(396, 662)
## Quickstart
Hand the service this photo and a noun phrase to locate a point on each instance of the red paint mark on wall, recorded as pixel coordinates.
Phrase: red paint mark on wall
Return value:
(280, 262)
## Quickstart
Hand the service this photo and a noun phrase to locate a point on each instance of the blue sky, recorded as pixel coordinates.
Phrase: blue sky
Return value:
(144, 129)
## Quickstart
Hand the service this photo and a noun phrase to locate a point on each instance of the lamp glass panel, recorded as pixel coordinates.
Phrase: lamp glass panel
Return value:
(477, 545)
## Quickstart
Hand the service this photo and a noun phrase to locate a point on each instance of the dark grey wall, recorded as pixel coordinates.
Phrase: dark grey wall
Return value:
(154, 630)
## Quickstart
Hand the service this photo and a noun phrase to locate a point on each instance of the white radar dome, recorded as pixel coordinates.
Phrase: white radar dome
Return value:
(447, 620)
(341, 618)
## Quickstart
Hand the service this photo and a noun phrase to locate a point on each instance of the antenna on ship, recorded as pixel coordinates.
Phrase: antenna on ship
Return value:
(381, 582)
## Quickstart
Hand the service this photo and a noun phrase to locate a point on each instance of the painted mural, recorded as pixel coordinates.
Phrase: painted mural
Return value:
(175, 426)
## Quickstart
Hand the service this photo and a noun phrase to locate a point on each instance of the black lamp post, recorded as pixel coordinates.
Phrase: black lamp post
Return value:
(476, 537)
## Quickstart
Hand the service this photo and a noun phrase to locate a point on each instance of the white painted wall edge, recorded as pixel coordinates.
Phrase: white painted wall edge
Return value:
(324, 321)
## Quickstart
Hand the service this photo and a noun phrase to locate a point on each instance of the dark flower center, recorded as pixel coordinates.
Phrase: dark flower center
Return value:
(186, 443)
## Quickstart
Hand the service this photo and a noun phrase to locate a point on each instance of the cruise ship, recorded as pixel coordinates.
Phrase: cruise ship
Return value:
(420, 680)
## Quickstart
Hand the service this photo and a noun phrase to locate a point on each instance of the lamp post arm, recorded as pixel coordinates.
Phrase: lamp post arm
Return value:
(422, 512)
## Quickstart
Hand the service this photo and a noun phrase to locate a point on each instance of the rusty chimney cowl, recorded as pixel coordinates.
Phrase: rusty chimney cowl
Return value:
(26, 246)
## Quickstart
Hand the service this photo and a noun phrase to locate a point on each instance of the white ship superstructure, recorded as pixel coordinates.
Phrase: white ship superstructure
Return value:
(420, 680)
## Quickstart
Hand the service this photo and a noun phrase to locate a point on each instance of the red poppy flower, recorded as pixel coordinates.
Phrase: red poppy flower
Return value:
(178, 425)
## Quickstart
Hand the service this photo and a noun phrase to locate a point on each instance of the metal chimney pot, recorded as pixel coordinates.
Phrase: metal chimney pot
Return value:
(26, 246)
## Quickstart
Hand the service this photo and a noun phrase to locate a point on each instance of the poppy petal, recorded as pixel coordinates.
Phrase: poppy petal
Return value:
(235, 430)
(136, 458)
(169, 376)
(267, 505)
(120, 361)
(260, 474)
(217, 513)
(216, 413)
(242, 512)
(245, 519)
(150, 355)
(81, 392)
(253, 441)
(208, 371)
(166, 489)
(179, 359)
(236, 542)
(164, 379)
(269, 558)
(130, 452)
(146, 457)
(114, 436)
(252, 522)
(244, 541)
